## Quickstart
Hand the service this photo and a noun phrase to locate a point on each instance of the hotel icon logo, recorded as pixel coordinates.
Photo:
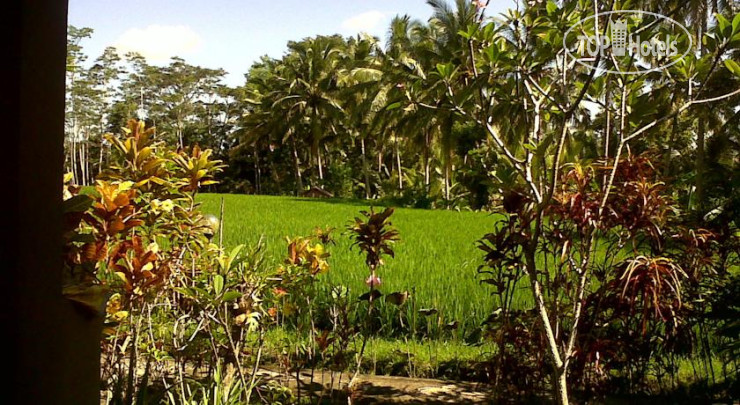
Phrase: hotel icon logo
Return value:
(618, 29)
(629, 42)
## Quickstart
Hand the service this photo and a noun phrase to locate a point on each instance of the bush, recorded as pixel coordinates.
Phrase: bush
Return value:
(139, 250)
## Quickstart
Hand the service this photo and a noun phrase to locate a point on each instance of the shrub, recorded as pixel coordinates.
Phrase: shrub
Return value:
(176, 299)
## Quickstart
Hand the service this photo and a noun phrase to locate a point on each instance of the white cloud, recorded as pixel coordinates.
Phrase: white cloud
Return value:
(364, 22)
(158, 43)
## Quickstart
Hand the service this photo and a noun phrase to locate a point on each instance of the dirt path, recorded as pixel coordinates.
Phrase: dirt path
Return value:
(327, 387)
(399, 390)
(369, 389)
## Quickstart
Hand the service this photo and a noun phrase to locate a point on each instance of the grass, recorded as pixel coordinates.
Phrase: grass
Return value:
(436, 258)
(429, 358)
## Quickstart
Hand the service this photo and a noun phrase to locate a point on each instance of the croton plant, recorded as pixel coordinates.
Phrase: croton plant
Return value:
(129, 232)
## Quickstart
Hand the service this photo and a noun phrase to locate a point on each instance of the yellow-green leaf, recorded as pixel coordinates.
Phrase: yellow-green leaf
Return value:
(218, 283)
(733, 67)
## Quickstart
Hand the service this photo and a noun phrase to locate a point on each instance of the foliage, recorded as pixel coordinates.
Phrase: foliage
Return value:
(374, 236)
(634, 319)
(436, 249)
(177, 298)
(619, 192)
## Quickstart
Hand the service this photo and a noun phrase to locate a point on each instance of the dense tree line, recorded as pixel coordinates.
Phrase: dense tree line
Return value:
(359, 119)
(188, 104)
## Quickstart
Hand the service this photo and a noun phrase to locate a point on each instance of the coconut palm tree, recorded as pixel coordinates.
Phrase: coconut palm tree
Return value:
(312, 94)
(401, 68)
(447, 47)
(364, 94)
(266, 121)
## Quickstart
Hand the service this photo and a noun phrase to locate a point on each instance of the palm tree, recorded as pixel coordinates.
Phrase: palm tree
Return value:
(401, 67)
(266, 121)
(697, 13)
(363, 94)
(311, 96)
(447, 46)
(409, 57)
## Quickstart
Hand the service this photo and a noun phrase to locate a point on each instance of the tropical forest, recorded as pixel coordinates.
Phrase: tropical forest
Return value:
(540, 205)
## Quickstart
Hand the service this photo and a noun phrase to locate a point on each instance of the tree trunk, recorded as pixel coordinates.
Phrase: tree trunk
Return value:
(447, 153)
(701, 129)
(398, 165)
(560, 385)
(180, 141)
(257, 172)
(380, 160)
(607, 132)
(276, 177)
(426, 158)
(608, 128)
(560, 366)
(100, 151)
(316, 145)
(81, 157)
(73, 157)
(365, 169)
(297, 167)
(669, 150)
(67, 160)
(84, 162)
(447, 179)
(699, 179)
(319, 163)
(87, 161)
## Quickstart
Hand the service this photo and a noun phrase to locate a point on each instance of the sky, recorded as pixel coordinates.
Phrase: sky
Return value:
(232, 34)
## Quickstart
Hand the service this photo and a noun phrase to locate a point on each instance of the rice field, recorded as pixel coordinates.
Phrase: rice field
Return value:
(436, 257)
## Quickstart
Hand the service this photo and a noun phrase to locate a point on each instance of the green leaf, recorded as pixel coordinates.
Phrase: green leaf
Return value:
(393, 106)
(231, 295)
(551, 7)
(185, 291)
(227, 262)
(736, 24)
(200, 291)
(218, 283)
(235, 252)
(722, 22)
(78, 203)
(445, 70)
(492, 53)
(733, 67)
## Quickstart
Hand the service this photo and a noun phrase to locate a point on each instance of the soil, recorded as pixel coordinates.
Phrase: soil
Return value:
(328, 387)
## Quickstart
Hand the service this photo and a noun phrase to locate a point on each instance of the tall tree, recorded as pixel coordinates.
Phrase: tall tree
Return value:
(78, 94)
(312, 93)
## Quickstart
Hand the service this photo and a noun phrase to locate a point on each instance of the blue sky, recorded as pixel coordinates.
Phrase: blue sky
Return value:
(232, 34)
